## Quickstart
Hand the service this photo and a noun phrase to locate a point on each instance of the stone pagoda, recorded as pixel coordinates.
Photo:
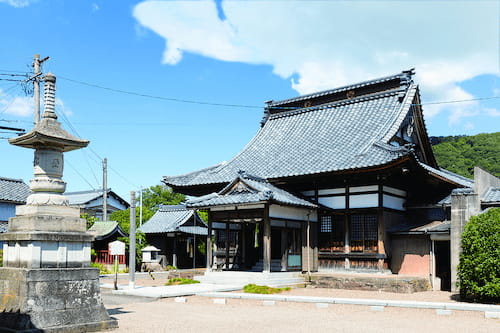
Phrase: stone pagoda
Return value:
(46, 281)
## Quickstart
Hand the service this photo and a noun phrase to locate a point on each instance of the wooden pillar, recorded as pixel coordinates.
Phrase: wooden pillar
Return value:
(284, 250)
(347, 247)
(267, 241)
(209, 243)
(381, 226)
(228, 230)
(244, 230)
(174, 254)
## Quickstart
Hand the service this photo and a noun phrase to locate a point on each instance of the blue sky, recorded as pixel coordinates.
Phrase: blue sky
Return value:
(239, 52)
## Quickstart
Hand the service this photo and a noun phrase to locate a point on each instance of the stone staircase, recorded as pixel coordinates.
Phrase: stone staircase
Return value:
(275, 266)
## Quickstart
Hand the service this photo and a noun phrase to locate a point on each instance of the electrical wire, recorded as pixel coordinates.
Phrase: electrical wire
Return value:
(78, 173)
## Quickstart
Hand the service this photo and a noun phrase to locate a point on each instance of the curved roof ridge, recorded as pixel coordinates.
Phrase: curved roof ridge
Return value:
(336, 103)
(406, 74)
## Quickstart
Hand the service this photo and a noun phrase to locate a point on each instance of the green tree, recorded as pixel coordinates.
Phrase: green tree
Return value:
(152, 198)
(157, 195)
(460, 154)
(479, 268)
(90, 219)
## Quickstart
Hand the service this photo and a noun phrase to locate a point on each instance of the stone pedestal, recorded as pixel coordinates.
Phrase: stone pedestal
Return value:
(46, 283)
(52, 300)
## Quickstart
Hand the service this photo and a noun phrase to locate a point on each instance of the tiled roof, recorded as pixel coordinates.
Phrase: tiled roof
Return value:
(343, 135)
(460, 180)
(105, 229)
(404, 75)
(172, 218)
(3, 227)
(84, 197)
(432, 227)
(492, 195)
(13, 190)
(249, 189)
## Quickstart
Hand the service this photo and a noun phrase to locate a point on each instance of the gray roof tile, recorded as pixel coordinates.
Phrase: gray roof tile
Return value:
(492, 195)
(13, 190)
(246, 188)
(173, 218)
(84, 197)
(326, 138)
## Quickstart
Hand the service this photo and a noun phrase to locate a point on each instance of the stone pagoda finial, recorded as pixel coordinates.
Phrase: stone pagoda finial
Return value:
(50, 141)
(49, 95)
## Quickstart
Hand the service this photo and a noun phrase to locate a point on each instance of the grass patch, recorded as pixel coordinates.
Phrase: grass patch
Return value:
(177, 281)
(255, 289)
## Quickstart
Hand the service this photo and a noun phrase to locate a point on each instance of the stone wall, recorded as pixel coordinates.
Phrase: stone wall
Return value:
(389, 283)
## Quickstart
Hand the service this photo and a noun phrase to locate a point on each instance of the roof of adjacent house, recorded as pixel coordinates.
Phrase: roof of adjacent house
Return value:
(492, 195)
(84, 197)
(4, 226)
(352, 133)
(13, 190)
(105, 229)
(174, 218)
(246, 189)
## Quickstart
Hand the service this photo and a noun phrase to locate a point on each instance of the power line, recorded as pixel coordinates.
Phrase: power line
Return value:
(171, 99)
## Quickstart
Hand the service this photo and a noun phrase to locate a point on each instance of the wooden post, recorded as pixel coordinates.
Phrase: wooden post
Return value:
(267, 241)
(174, 254)
(227, 244)
(209, 243)
(284, 250)
(381, 226)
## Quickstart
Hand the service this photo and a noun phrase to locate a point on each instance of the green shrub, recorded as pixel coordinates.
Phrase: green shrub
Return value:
(102, 268)
(176, 281)
(255, 289)
(1, 257)
(479, 267)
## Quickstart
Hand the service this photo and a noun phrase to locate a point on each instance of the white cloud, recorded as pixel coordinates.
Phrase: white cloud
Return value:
(95, 7)
(329, 44)
(18, 3)
(16, 106)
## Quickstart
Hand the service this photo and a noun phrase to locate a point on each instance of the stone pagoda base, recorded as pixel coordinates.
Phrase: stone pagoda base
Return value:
(46, 284)
(52, 300)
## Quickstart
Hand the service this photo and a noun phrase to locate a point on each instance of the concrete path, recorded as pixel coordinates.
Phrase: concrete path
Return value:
(359, 301)
(172, 291)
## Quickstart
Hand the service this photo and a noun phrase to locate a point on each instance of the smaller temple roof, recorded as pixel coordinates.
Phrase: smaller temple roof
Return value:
(246, 189)
(434, 227)
(448, 175)
(105, 229)
(13, 190)
(174, 218)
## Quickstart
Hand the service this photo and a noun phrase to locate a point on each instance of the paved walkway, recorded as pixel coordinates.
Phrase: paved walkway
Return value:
(222, 291)
(360, 301)
(171, 291)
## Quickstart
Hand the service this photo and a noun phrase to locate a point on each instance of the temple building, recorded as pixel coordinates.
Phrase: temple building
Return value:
(343, 179)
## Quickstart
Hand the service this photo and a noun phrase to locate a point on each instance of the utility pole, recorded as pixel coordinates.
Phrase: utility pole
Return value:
(131, 268)
(105, 189)
(140, 207)
(36, 85)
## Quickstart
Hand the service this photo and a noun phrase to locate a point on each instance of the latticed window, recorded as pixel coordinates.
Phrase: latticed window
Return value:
(363, 233)
(331, 237)
(326, 224)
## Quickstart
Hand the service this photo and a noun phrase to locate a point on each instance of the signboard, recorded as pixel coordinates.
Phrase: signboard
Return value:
(116, 248)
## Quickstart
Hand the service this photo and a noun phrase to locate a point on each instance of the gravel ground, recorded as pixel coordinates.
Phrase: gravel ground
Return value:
(201, 314)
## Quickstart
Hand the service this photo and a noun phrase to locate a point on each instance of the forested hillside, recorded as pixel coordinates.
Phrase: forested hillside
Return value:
(460, 154)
